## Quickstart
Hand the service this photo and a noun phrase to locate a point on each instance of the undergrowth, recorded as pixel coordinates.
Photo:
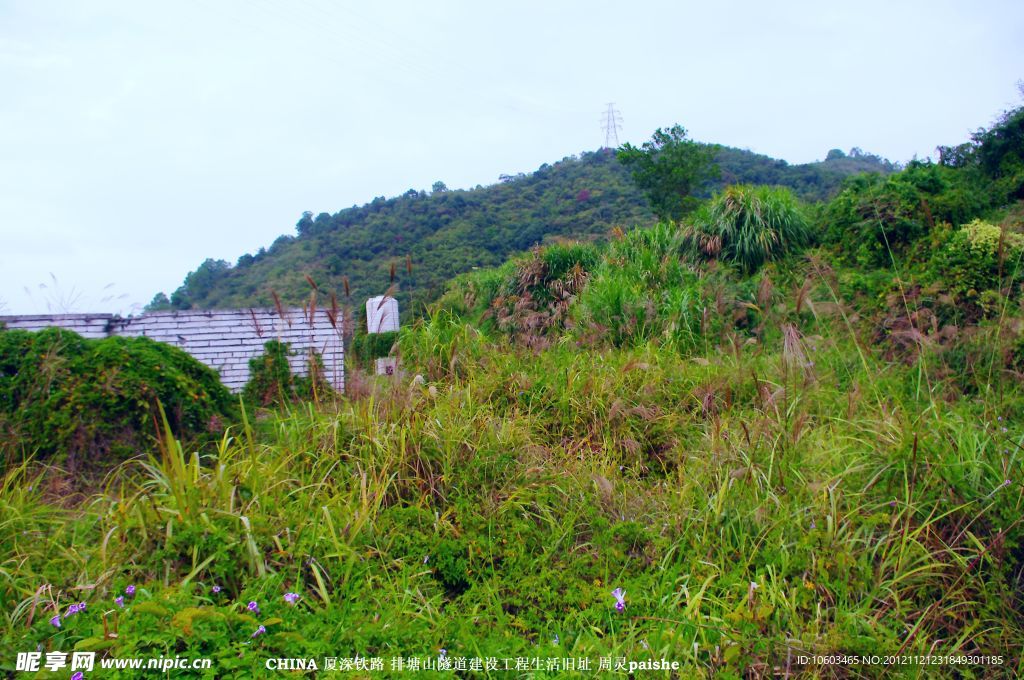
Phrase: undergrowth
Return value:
(763, 452)
(755, 504)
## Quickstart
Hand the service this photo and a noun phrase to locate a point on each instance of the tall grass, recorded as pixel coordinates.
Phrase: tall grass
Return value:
(760, 481)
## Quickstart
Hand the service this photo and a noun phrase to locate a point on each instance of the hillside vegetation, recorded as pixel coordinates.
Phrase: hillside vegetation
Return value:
(768, 431)
(86, 403)
(444, 233)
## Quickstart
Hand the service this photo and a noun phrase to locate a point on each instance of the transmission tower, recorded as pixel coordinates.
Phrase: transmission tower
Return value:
(612, 123)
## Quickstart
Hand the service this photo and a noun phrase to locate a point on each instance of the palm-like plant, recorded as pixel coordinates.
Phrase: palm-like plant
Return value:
(749, 225)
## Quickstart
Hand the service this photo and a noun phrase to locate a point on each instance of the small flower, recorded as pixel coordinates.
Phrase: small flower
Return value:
(620, 599)
(291, 598)
(215, 589)
(426, 559)
(813, 525)
(556, 640)
(55, 621)
(443, 652)
(1007, 483)
(253, 607)
(259, 631)
(72, 610)
(119, 601)
(1003, 429)
(892, 503)
(130, 591)
(79, 675)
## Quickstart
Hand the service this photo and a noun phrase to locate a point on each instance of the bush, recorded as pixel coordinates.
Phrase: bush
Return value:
(271, 382)
(975, 257)
(875, 219)
(70, 399)
(369, 346)
(643, 289)
(532, 298)
(749, 226)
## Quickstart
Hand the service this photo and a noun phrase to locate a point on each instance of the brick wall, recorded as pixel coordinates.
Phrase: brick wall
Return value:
(224, 340)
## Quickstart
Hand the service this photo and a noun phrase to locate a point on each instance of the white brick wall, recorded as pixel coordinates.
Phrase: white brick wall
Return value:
(224, 340)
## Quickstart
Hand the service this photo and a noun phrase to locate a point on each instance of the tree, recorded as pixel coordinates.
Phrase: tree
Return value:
(199, 283)
(669, 169)
(159, 303)
(305, 223)
(1001, 150)
(439, 187)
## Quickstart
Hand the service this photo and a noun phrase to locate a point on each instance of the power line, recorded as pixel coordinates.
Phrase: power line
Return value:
(612, 123)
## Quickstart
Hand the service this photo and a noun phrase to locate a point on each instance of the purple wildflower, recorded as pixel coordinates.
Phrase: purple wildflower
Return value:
(259, 631)
(1007, 482)
(291, 598)
(892, 503)
(620, 599)
(74, 609)
(55, 621)
(79, 675)
(215, 590)
(253, 607)
(130, 591)
(119, 601)
(813, 525)
(443, 653)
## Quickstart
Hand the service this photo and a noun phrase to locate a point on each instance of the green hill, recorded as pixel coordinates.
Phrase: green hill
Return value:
(444, 233)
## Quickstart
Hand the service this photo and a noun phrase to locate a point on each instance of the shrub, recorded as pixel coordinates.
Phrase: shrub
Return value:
(749, 226)
(874, 218)
(271, 382)
(369, 346)
(534, 300)
(975, 257)
(643, 289)
(67, 398)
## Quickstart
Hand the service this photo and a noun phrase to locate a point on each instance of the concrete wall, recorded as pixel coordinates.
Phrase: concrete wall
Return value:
(224, 340)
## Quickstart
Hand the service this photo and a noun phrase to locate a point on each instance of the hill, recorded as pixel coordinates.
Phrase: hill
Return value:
(444, 233)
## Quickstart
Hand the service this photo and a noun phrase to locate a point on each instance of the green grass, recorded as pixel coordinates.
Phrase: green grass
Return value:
(871, 521)
(765, 464)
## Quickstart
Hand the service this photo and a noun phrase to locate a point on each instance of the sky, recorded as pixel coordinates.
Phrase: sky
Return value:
(138, 139)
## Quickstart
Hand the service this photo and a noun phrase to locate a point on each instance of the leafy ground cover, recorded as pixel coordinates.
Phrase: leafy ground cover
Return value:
(86, 402)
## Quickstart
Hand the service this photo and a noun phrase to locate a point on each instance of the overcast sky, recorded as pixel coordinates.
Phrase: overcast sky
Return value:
(138, 138)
